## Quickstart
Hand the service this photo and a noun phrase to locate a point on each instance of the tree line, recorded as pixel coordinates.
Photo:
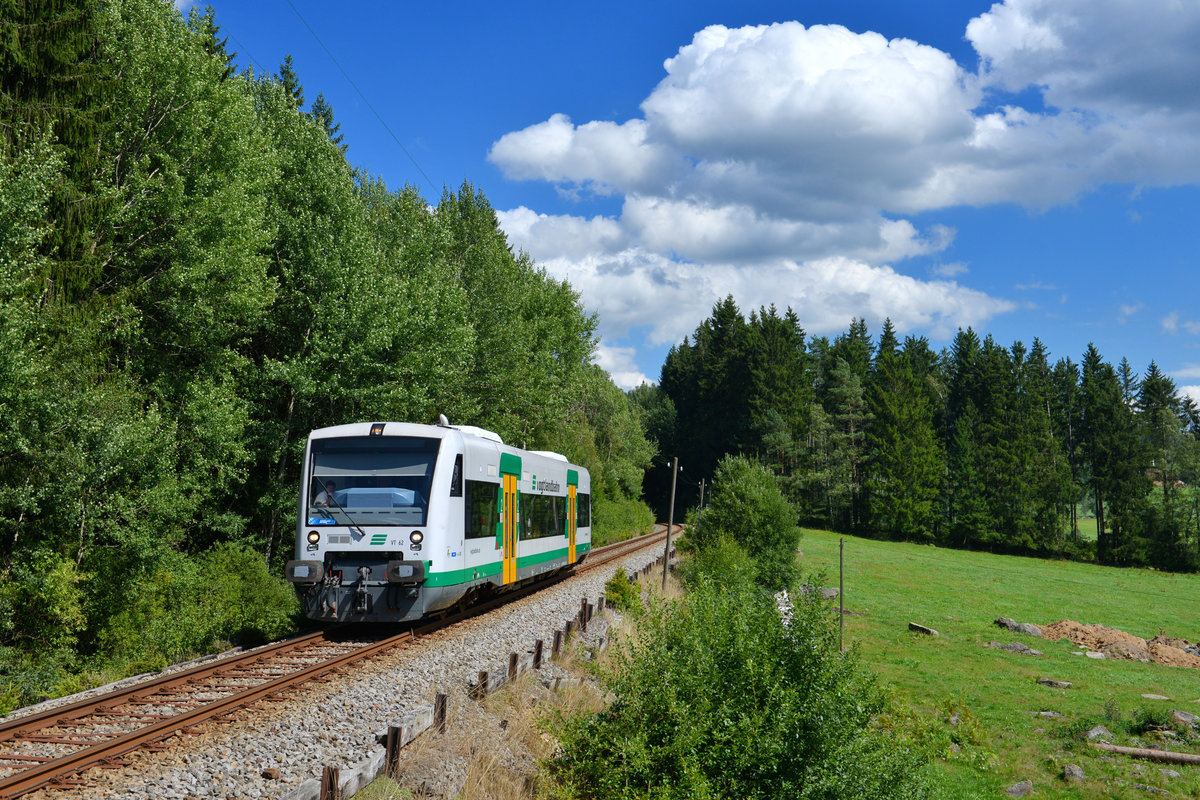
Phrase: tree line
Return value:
(192, 277)
(975, 446)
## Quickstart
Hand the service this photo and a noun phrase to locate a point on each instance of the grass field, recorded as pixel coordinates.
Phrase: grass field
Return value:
(960, 594)
(1087, 528)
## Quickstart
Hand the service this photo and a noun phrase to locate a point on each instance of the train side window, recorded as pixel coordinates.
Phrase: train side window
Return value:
(583, 510)
(482, 517)
(456, 478)
(540, 516)
(530, 506)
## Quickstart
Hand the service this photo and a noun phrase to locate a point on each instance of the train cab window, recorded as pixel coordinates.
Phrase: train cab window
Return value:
(583, 510)
(456, 479)
(482, 517)
(379, 480)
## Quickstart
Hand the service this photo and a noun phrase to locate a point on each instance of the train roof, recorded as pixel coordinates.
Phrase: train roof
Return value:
(417, 429)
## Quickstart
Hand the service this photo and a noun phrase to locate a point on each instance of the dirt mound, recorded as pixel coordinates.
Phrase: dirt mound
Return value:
(1093, 637)
(1165, 650)
(1118, 644)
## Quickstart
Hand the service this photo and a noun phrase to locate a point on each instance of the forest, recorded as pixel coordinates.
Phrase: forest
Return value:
(977, 446)
(192, 277)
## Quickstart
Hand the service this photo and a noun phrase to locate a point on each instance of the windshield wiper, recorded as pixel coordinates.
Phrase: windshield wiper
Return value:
(353, 526)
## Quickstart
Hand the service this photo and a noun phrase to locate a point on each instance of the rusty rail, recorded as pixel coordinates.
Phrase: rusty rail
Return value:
(169, 691)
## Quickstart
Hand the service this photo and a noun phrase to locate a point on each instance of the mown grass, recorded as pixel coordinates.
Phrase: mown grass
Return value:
(960, 594)
(1087, 528)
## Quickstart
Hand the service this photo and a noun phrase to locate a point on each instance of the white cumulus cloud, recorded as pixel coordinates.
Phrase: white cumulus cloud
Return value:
(621, 364)
(786, 164)
(601, 156)
(632, 286)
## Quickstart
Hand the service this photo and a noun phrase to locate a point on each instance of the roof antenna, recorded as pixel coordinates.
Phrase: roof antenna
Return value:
(442, 421)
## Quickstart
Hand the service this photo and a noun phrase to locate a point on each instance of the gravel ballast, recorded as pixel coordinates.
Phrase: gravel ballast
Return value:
(291, 739)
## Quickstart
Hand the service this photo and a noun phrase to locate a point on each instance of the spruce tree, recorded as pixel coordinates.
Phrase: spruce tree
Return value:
(905, 459)
(1159, 414)
(1113, 450)
(1049, 475)
(54, 76)
(206, 24)
(322, 112)
(966, 505)
(291, 82)
(851, 419)
(1067, 421)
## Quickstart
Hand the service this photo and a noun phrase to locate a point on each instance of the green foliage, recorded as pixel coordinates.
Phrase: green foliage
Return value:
(188, 606)
(322, 114)
(619, 519)
(27, 678)
(191, 254)
(718, 698)
(1144, 719)
(604, 431)
(747, 507)
(720, 563)
(53, 79)
(621, 593)
(906, 462)
(980, 446)
(41, 603)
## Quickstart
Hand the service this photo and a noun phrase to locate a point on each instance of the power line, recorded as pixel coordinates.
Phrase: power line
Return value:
(360, 93)
(246, 50)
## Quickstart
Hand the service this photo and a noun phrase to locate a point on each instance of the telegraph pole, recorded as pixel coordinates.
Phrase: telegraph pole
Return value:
(670, 520)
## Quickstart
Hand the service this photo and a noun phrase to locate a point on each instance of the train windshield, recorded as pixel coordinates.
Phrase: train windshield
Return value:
(376, 480)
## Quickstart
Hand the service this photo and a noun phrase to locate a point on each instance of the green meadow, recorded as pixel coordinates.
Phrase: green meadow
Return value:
(993, 692)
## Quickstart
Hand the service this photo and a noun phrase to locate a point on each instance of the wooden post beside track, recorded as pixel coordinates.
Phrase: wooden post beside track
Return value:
(439, 712)
(330, 778)
(391, 750)
(512, 666)
(556, 647)
(537, 653)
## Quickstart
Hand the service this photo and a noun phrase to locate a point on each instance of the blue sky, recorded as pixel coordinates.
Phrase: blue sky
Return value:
(1029, 168)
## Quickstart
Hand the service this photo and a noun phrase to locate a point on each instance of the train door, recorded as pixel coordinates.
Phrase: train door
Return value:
(510, 469)
(572, 521)
(511, 526)
(572, 513)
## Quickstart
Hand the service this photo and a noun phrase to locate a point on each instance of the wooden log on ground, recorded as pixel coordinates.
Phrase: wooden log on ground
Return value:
(1153, 755)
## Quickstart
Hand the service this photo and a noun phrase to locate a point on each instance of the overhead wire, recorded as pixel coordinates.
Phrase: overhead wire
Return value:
(350, 80)
(243, 49)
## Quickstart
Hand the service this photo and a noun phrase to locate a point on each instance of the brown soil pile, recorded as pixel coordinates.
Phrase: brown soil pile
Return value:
(1118, 644)
(1165, 651)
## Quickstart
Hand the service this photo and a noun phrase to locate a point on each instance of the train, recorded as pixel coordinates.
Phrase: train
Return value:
(399, 521)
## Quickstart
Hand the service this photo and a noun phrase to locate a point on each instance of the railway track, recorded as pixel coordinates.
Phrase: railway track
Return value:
(48, 750)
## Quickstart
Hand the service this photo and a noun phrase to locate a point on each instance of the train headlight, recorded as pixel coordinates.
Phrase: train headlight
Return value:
(314, 537)
(416, 537)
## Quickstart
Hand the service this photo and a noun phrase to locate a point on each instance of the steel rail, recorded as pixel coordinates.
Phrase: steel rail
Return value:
(16, 728)
(49, 771)
(52, 771)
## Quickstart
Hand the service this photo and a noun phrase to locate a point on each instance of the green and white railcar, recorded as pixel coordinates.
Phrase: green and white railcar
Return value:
(398, 520)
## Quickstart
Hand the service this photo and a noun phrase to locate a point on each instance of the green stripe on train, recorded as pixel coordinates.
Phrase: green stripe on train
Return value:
(456, 576)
